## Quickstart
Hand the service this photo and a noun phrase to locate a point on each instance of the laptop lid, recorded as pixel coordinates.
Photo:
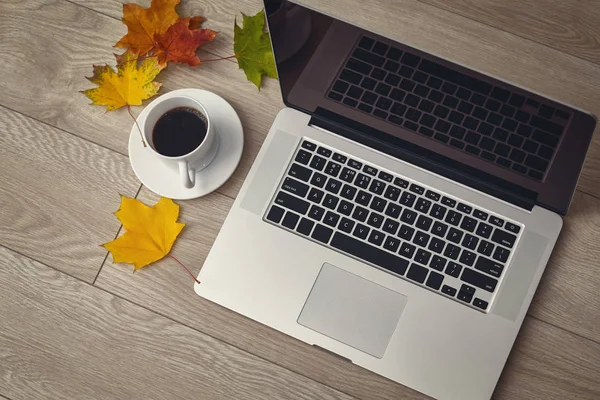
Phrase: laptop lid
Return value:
(477, 130)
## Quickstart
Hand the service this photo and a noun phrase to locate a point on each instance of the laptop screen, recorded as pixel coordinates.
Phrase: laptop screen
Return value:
(452, 120)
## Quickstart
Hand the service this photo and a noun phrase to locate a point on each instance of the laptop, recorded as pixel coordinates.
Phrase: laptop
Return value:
(402, 208)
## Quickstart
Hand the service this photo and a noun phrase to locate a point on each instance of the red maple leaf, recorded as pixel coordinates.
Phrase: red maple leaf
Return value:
(179, 43)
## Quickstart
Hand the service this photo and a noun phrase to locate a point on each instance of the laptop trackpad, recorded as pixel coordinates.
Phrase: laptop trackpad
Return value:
(352, 310)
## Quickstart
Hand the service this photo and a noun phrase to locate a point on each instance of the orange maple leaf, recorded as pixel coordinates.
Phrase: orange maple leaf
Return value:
(179, 43)
(144, 23)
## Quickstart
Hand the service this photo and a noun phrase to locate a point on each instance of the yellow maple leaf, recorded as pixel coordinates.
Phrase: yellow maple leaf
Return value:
(144, 23)
(150, 232)
(132, 83)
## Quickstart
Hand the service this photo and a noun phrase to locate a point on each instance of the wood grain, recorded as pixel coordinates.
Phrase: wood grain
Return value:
(79, 342)
(162, 287)
(60, 63)
(568, 26)
(57, 193)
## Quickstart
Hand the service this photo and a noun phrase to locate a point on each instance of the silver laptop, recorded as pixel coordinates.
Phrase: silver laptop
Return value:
(402, 208)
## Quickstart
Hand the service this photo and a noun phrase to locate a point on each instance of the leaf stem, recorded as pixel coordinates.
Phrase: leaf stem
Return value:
(136, 124)
(184, 267)
(219, 59)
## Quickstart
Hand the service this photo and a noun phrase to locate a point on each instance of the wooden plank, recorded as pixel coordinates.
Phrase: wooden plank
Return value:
(57, 193)
(549, 363)
(166, 288)
(58, 63)
(78, 341)
(568, 26)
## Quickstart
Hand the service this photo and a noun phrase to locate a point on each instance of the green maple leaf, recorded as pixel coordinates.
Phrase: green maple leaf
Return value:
(252, 48)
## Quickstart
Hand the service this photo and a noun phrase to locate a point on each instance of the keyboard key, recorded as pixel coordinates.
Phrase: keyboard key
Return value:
(524, 130)
(417, 273)
(331, 219)
(340, 158)
(480, 303)
(383, 89)
(363, 198)
(358, 66)
(417, 189)
(479, 280)
(437, 263)
(316, 212)
(332, 168)
(464, 296)
(407, 250)
(408, 216)
(438, 211)
(369, 98)
(421, 239)
(454, 235)
(545, 138)
(376, 237)
(422, 205)
(292, 203)
(395, 120)
(394, 54)
(380, 48)
(422, 256)
(504, 238)
(390, 226)
(369, 253)
(485, 248)
(330, 201)
(341, 86)
(275, 214)
(305, 226)
(355, 92)
(480, 214)
(450, 291)
(377, 186)
(296, 187)
(378, 74)
(347, 175)
(448, 201)
(362, 181)
(496, 221)
(393, 210)
(350, 102)
(392, 193)
(406, 232)
(424, 223)
(375, 220)
(432, 195)
(536, 162)
(346, 225)
(391, 244)
(360, 213)
(318, 180)
(333, 186)
(512, 228)
(348, 192)
(407, 199)
(452, 251)
(470, 242)
(453, 269)
(303, 157)
(434, 280)
(407, 85)
(453, 218)
(366, 43)
(385, 176)
(436, 245)
(378, 204)
(467, 258)
(318, 163)
(345, 207)
(380, 114)
(322, 233)
(368, 57)
(544, 152)
(439, 229)
(368, 83)
(361, 231)
(315, 195)
(401, 183)
(355, 164)
(300, 172)
(441, 111)
(468, 224)
(484, 230)
(501, 254)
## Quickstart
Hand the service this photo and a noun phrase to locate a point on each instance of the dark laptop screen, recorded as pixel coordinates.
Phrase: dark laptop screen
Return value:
(457, 122)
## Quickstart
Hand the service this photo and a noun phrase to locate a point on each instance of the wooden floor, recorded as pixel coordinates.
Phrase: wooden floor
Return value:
(75, 326)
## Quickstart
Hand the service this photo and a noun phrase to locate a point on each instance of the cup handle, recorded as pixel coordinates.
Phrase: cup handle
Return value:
(188, 176)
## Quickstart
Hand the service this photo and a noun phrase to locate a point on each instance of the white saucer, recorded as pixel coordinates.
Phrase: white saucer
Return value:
(163, 179)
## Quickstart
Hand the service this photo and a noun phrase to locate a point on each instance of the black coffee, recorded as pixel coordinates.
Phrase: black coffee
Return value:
(179, 131)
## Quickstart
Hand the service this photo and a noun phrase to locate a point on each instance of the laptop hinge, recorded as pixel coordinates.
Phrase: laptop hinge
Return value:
(424, 158)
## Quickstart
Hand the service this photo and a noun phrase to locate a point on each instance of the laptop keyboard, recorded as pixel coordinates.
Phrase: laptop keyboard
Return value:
(491, 122)
(420, 234)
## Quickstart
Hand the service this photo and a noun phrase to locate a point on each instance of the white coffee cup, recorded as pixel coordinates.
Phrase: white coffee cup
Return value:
(197, 159)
